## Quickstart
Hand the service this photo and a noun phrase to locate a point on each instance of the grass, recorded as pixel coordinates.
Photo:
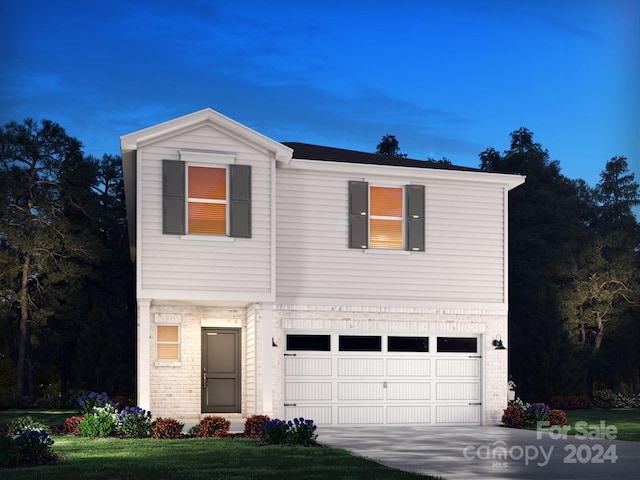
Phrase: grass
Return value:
(626, 421)
(194, 458)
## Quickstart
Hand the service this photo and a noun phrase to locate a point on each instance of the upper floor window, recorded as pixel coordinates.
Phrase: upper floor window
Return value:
(206, 200)
(385, 221)
(386, 217)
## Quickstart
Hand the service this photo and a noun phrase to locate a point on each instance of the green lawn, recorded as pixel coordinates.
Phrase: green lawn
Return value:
(626, 421)
(231, 459)
(194, 458)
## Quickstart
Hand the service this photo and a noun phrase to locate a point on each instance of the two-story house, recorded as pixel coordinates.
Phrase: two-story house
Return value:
(298, 280)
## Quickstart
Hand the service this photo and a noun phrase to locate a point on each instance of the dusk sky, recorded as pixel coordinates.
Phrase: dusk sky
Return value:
(447, 78)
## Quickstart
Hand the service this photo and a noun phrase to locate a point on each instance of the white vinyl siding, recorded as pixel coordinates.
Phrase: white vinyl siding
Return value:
(464, 244)
(189, 265)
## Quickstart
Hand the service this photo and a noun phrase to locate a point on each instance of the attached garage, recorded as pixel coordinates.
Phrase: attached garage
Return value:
(340, 379)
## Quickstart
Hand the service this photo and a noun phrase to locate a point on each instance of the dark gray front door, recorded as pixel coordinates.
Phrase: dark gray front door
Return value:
(220, 370)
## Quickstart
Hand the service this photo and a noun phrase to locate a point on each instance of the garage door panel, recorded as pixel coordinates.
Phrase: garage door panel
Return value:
(307, 367)
(404, 414)
(319, 415)
(459, 367)
(408, 367)
(300, 391)
(335, 386)
(360, 367)
(360, 391)
(360, 414)
(408, 391)
(457, 391)
(458, 414)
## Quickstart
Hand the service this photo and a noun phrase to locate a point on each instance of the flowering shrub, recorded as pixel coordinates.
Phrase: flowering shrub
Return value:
(557, 417)
(34, 447)
(627, 402)
(296, 432)
(570, 402)
(27, 443)
(253, 425)
(70, 426)
(134, 422)
(275, 431)
(604, 399)
(302, 432)
(166, 428)
(536, 412)
(25, 425)
(213, 426)
(99, 422)
(93, 400)
(513, 417)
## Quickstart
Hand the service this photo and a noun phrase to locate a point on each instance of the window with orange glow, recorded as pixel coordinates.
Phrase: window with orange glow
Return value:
(385, 220)
(168, 342)
(207, 202)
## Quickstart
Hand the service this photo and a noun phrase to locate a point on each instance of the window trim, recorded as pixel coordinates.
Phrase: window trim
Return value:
(158, 342)
(175, 195)
(224, 202)
(401, 218)
(413, 220)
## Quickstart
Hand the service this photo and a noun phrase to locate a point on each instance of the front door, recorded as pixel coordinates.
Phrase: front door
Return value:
(220, 370)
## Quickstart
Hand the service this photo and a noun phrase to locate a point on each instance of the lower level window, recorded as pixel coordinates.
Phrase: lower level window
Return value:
(318, 343)
(168, 343)
(408, 344)
(458, 344)
(357, 343)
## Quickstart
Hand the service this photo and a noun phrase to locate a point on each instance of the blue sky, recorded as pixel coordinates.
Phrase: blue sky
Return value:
(447, 78)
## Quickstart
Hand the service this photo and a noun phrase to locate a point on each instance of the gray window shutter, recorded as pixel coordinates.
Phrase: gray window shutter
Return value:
(240, 201)
(358, 214)
(415, 217)
(173, 197)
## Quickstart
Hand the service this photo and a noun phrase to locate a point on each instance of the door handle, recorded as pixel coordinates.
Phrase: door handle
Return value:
(204, 378)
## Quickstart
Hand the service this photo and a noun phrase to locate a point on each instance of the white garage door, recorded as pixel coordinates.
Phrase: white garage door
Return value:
(383, 379)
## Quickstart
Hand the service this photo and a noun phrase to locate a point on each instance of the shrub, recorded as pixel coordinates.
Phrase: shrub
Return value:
(24, 425)
(166, 428)
(627, 402)
(570, 402)
(135, 422)
(513, 417)
(9, 453)
(294, 432)
(48, 400)
(557, 417)
(93, 400)
(274, 432)
(213, 426)
(604, 399)
(99, 422)
(70, 426)
(536, 412)
(302, 432)
(34, 447)
(253, 425)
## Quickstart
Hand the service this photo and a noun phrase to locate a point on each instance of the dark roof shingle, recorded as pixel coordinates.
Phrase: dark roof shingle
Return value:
(306, 151)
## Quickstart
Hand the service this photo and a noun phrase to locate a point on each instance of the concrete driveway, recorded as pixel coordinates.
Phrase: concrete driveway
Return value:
(491, 452)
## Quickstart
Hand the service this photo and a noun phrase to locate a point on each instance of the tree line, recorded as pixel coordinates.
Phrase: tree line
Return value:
(67, 296)
(67, 306)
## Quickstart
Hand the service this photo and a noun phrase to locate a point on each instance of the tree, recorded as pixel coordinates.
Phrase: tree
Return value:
(546, 223)
(44, 242)
(389, 147)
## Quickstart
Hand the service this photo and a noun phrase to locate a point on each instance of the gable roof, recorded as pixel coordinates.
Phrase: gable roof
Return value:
(307, 151)
(207, 116)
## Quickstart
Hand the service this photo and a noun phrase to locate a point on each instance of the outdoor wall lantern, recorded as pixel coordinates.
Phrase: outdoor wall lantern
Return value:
(498, 343)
